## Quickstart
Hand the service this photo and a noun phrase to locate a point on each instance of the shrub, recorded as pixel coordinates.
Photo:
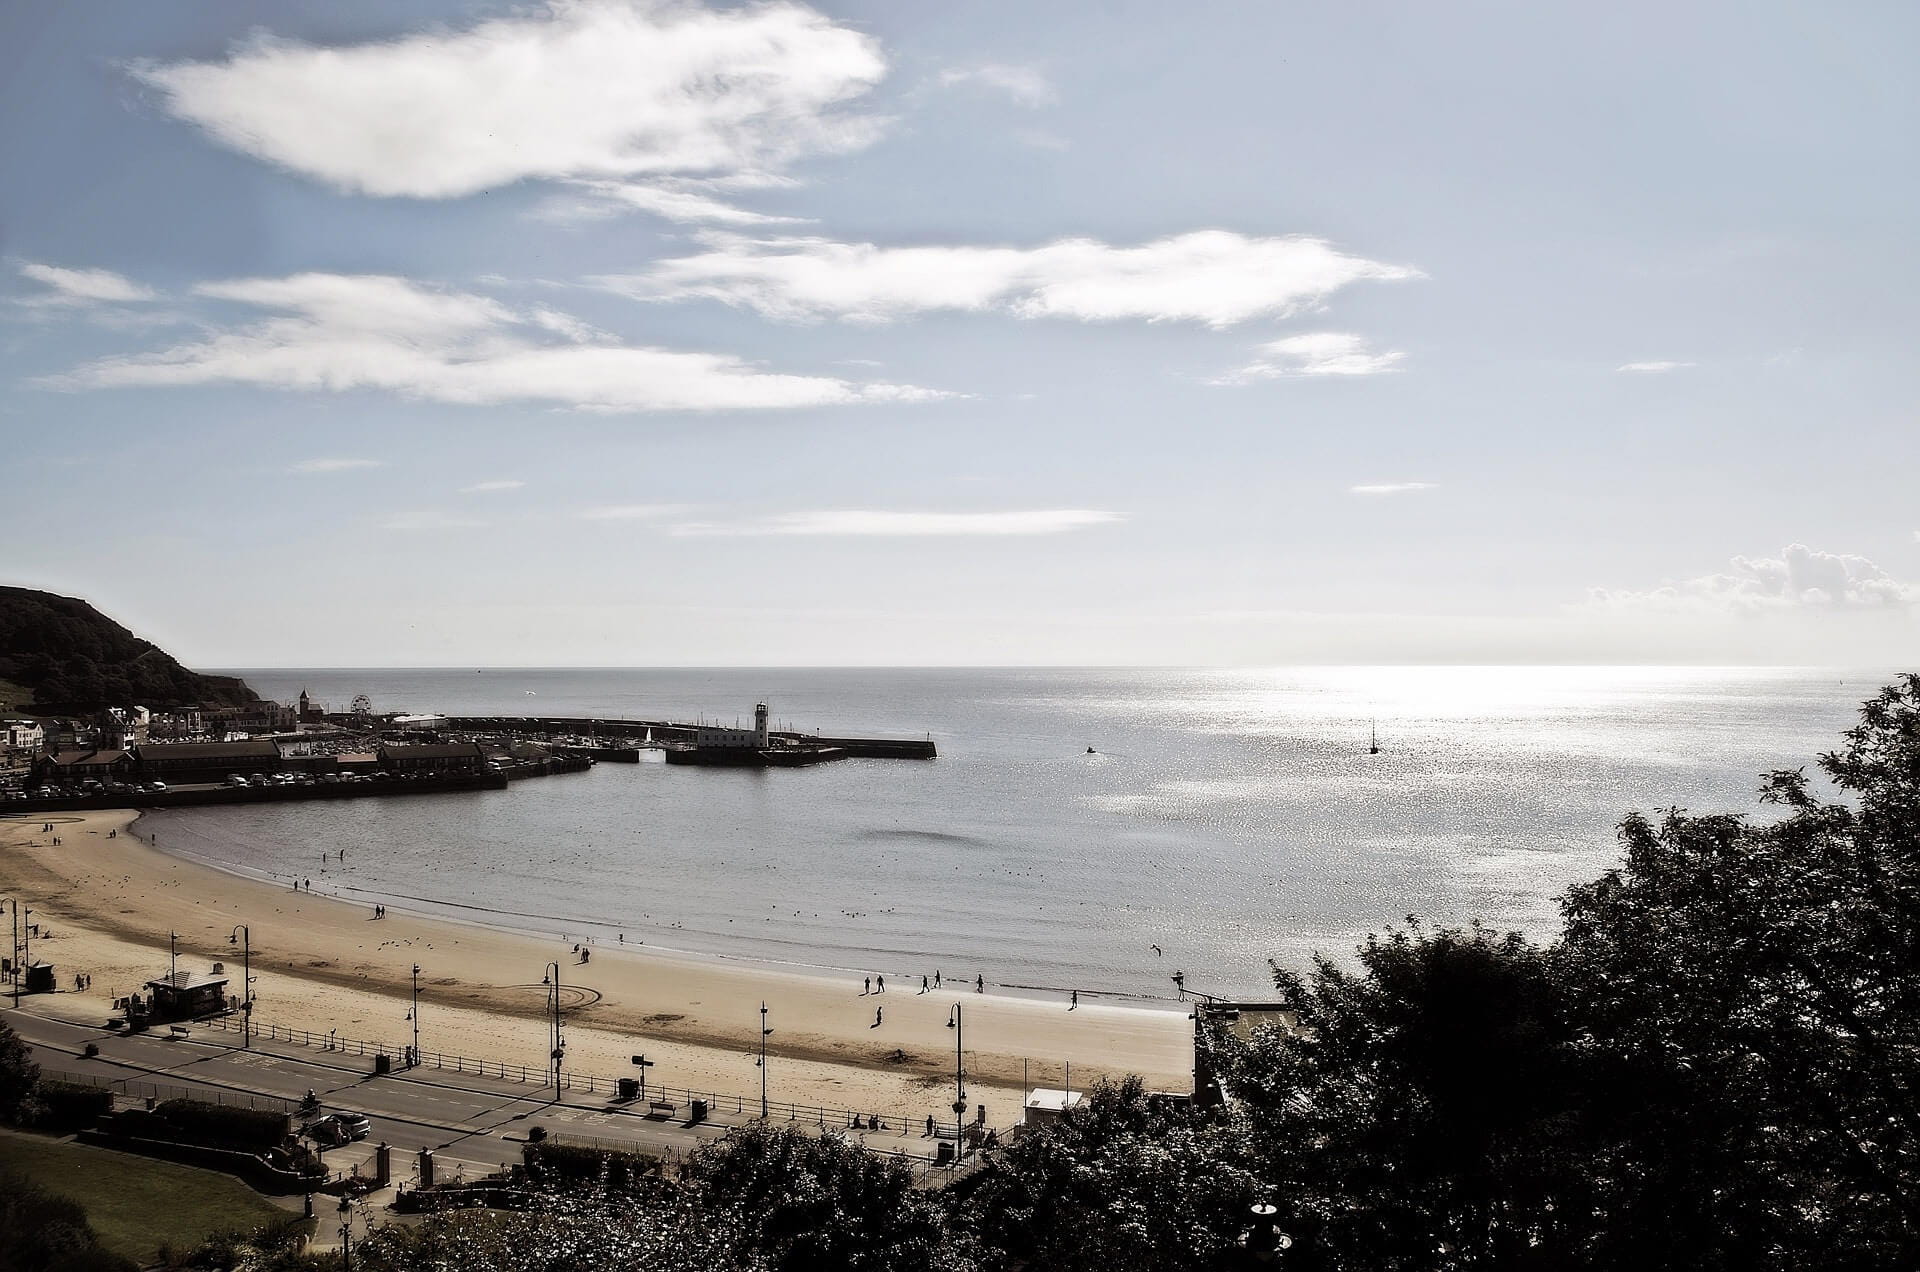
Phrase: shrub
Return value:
(219, 1125)
(553, 1163)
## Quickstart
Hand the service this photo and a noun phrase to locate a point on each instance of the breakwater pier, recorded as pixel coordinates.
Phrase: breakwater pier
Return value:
(608, 733)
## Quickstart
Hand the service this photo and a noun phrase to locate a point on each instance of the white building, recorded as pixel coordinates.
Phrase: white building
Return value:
(754, 738)
(23, 735)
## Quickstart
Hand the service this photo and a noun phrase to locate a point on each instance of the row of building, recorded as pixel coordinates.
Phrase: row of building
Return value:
(190, 763)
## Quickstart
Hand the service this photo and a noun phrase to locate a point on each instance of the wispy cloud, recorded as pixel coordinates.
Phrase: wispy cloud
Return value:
(591, 89)
(337, 332)
(635, 512)
(674, 200)
(491, 487)
(1024, 85)
(1215, 277)
(1653, 368)
(862, 522)
(1800, 578)
(1393, 488)
(430, 519)
(1315, 353)
(82, 286)
(334, 465)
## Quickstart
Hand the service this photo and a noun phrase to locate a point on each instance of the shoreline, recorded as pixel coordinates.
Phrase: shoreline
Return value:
(323, 961)
(597, 929)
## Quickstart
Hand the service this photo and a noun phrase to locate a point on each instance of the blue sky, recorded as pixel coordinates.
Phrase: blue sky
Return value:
(609, 333)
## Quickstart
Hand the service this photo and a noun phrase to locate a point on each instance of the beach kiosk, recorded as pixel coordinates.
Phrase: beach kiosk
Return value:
(1047, 1105)
(186, 995)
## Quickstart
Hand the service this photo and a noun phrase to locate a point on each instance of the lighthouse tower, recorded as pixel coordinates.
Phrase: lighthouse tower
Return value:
(760, 725)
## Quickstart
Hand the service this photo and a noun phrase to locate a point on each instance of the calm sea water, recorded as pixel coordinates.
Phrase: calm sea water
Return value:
(1226, 816)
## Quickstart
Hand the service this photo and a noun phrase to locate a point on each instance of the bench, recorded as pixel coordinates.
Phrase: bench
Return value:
(179, 1031)
(661, 1108)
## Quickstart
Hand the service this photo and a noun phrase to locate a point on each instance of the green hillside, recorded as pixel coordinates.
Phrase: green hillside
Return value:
(58, 653)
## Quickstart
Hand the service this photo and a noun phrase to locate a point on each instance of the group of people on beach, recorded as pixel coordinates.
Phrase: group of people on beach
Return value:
(878, 984)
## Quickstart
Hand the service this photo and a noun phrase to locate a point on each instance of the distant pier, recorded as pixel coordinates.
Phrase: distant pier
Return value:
(676, 736)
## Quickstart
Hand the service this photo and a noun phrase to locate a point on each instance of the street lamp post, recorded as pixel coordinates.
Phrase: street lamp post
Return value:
(14, 949)
(558, 1054)
(956, 1022)
(414, 1016)
(346, 1235)
(26, 947)
(244, 935)
(762, 1061)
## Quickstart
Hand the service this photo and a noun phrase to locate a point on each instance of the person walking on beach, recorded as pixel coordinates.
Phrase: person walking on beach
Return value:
(876, 1017)
(866, 986)
(980, 984)
(1075, 1002)
(880, 984)
(936, 978)
(923, 984)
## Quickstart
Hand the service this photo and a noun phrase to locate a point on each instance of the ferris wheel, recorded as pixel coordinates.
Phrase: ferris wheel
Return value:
(362, 705)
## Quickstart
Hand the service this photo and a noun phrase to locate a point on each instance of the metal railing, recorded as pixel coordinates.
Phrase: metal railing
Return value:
(893, 1121)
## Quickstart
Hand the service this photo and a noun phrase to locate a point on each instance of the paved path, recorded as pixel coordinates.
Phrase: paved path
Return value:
(472, 1124)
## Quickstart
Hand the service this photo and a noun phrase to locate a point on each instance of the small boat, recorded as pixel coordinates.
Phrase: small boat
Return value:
(1373, 740)
(1090, 751)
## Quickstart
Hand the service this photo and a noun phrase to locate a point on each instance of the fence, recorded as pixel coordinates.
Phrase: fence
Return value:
(894, 1121)
(139, 1088)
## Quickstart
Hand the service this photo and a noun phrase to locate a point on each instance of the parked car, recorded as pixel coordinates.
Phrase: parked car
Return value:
(339, 1128)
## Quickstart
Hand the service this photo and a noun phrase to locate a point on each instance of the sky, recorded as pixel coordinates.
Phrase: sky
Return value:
(616, 333)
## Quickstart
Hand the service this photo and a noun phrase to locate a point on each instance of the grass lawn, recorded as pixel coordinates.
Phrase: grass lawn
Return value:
(135, 1203)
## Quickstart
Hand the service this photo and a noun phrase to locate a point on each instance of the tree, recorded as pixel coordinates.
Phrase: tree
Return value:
(19, 1076)
(1775, 966)
(818, 1201)
(1124, 1182)
(1433, 1109)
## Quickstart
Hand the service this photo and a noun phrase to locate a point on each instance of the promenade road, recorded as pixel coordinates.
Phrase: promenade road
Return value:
(472, 1124)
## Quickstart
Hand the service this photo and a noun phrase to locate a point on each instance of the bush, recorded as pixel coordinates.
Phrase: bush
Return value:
(219, 1125)
(551, 1164)
(68, 1106)
(40, 1232)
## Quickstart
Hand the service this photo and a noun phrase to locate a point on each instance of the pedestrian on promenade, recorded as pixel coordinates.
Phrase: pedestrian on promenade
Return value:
(929, 1134)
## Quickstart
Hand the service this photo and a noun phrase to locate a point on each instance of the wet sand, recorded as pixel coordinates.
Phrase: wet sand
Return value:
(322, 964)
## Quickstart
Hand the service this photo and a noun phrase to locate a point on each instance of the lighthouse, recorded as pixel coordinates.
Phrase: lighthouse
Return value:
(760, 725)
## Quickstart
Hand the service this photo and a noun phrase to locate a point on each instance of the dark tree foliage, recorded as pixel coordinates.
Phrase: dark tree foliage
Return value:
(19, 1076)
(818, 1201)
(1123, 1183)
(40, 1232)
(1433, 1109)
(75, 658)
(1776, 967)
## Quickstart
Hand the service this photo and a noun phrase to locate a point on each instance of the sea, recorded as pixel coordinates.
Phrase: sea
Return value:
(1097, 829)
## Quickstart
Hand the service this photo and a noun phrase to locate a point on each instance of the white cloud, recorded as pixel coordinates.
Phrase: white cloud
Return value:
(1653, 368)
(334, 465)
(1023, 85)
(682, 201)
(1215, 277)
(634, 512)
(910, 524)
(491, 487)
(597, 89)
(1801, 578)
(1315, 353)
(337, 333)
(1392, 488)
(430, 519)
(82, 286)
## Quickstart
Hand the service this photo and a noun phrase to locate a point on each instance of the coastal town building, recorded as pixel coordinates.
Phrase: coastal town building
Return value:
(23, 735)
(189, 762)
(434, 757)
(185, 995)
(83, 765)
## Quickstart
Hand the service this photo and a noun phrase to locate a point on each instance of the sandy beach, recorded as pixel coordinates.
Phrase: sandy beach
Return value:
(105, 903)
